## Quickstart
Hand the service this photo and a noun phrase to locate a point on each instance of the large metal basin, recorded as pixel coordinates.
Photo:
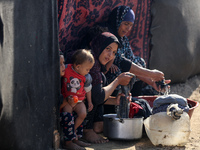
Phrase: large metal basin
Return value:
(122, 128)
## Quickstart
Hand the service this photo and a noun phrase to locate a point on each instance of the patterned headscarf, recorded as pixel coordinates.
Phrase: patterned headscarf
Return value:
(118, 15)
(98, 44)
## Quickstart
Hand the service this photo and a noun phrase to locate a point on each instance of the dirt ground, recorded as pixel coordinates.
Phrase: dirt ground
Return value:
(190, 90)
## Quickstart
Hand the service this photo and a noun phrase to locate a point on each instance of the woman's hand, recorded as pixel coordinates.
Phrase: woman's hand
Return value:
(129, 97)
(121, 94)
(163, 90)
(157, 75)
(114, 68)
(154, 85)
(90, 106)
(167, 81)
(118, 98)
(124, 78)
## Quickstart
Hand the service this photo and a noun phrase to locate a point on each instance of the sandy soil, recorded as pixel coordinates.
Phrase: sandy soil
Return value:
(190, 90)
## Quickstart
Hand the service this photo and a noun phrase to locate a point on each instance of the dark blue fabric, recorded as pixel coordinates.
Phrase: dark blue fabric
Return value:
(163, 108)
(130, 16)
(67, 122)
(168, 99)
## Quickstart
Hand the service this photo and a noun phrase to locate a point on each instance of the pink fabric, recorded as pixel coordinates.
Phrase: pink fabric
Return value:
(76, 17)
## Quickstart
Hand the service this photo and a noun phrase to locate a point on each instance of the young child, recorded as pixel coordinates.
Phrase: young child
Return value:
(62, 64)
(76, 82)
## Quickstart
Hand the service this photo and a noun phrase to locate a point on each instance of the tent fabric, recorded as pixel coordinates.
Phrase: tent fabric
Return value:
(76, 17)
(175, 38)
(29, 79)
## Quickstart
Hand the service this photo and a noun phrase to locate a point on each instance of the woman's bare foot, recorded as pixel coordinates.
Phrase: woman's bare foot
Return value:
(90, 136)
(81, 143)
(98, 127)
(72, 146)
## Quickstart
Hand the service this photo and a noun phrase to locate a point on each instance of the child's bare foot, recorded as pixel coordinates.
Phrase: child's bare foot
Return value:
(90, 136)
(81, 143)
(69, 145)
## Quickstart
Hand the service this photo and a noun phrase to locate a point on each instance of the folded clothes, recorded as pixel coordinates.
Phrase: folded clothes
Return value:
(161, 103)
(163, 108)
(168, 99)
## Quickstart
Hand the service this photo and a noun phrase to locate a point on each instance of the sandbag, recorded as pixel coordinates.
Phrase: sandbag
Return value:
(175, 38)
(29, 74)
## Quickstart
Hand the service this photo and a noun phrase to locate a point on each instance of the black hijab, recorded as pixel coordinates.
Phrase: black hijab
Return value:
(98, 44)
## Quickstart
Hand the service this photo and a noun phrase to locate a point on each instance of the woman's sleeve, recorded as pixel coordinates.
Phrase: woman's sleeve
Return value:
(88, 83)
(125, 64)
(98, 94)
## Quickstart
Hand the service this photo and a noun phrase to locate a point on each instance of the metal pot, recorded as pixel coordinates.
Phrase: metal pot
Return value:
(122, 128)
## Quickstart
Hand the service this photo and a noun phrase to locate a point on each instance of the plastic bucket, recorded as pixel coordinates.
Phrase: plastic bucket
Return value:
(163, 130)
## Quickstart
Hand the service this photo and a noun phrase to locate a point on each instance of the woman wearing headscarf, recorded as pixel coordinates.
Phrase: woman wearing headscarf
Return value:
(103, 47)
(119, 23)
